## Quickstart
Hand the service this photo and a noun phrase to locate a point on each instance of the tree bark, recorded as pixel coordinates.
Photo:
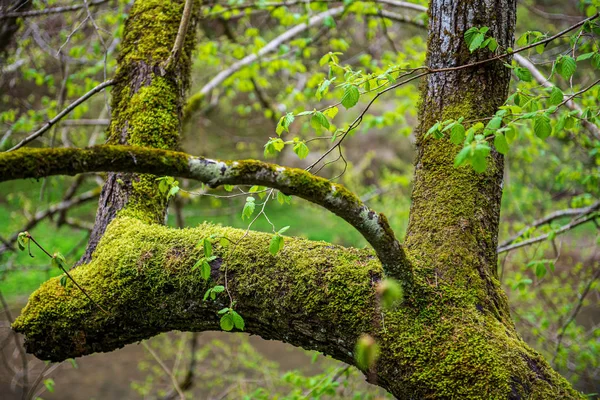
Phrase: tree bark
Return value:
(147, 106)
(452, 336)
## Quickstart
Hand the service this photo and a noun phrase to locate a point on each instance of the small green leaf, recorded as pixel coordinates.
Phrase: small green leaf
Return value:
(205, 270)
(318, 120)
(476, 42)
(501, 144)
(457, 134)
(49, 384)
(58, 261)
(523, 74)
(223, 310)
(228, 188)
(331, 112)
(248, 207)
(283, 230)
(63, 281)
(207, 247)
(462, 156)
(284, 123)
(238, 321)
(218, 289)
(23, 240)
(301, 149)
(224, 242)
(585, 56)
(556, 96)
(390, 292)
(566, 66)
(366, 352)
(470, 35)
(282, 198)
(206, 294)
(226, 322)
(276, 244)
(350, 97)
(542, 127)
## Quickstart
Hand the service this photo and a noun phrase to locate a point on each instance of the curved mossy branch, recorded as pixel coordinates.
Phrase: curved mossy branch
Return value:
(312, 294)
(36, 163)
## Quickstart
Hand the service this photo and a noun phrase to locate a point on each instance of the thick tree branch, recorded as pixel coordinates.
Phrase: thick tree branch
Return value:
(312, 294)
(36, 163)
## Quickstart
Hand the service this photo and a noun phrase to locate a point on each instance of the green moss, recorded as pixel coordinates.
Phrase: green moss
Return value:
(311, 294)
(147, 100)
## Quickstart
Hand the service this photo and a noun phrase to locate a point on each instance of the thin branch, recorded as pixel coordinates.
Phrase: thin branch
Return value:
(50, 211)
(47, 11)
(576, 222)
(63, 113)
(183, 27)
(569, 212)
(542, 80)
(166, 369)
(585, 292)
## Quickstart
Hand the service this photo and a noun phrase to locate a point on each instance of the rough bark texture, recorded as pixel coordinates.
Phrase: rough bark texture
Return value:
(452, 337)
(147, 108)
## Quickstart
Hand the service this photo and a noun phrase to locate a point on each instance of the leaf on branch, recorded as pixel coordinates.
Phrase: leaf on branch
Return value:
(301, 149)
(556, 96)
(226, 322)
(501, 144)
(238, 321)
(319, 120)
(276, 244)
(248, 207)
(542, 127)
(350, 97)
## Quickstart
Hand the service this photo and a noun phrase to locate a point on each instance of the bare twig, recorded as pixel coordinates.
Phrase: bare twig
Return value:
(183, 27)
(47, 11)
(576, 222)
(64, 205)
(585, 292)
(166, 369)
(63, 113)
(569, 212)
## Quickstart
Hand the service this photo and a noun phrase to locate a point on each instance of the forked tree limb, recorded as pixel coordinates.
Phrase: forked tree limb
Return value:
(37, 163)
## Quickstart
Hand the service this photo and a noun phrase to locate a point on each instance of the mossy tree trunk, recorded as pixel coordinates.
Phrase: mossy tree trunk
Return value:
(452, 336)
(147, 106)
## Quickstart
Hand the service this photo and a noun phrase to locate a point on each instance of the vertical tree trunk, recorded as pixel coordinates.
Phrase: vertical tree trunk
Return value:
(147, 109)
(455, 211)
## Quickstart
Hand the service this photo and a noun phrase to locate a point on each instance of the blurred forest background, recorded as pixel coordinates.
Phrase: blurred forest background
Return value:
(48, 60)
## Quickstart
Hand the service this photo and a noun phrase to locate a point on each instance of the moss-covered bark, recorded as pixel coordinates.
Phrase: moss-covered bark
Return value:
(452, 337)
(146, 108)
(312, 294)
